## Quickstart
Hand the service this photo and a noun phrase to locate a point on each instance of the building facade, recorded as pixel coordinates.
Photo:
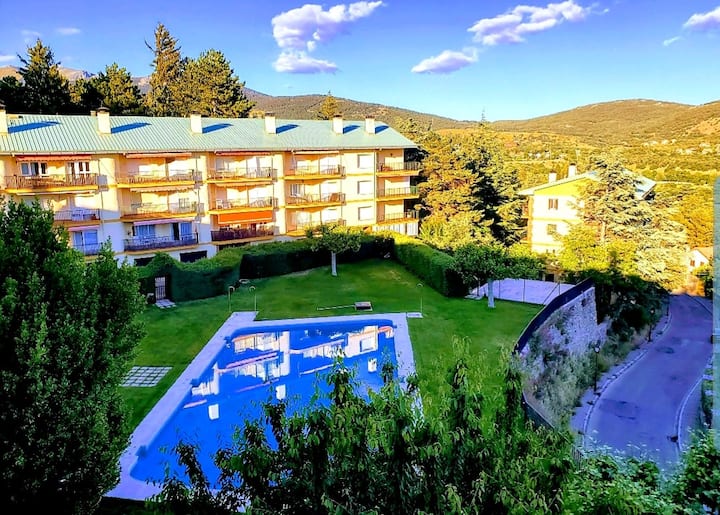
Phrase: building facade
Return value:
(191, 186)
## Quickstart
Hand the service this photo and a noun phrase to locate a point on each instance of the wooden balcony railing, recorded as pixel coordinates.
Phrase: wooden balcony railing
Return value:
(239, 174)
(77, 215)
(242, 233)
(327, 198)
(160, 242)
(409, 191)
(50, 181)
(301, 172)
(407, 168)
(155, 176)
(142, 209)
(256, 203)
(390, 217)
(302, 226)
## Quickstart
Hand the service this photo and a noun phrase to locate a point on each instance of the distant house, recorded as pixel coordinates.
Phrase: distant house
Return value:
(551, 208)
(700, 256)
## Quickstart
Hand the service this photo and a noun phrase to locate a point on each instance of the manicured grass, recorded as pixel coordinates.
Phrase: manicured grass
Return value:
(174, 336)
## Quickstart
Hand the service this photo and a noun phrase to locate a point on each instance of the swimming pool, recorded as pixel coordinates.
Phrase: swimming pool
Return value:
(245, 364)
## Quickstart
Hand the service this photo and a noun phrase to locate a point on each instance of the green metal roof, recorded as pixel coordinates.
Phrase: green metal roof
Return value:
(48, 134)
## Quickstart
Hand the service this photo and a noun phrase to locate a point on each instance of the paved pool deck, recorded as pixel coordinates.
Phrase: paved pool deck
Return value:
(522, 290)
(152, 424)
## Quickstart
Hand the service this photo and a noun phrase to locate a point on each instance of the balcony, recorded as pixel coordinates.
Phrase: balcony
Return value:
(298, 228)
(398, 193)
(162, 242)
(145, 210)
(92, 249)
(243, 204)
(409, 169)
(51, 183)
(302, 173)
(77, 216)
(166, 179)
(406, 216)
(243, 234)
(240, 176)
(327, 199)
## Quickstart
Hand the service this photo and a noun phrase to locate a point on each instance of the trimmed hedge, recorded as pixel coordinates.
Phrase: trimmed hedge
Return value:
(434, 267)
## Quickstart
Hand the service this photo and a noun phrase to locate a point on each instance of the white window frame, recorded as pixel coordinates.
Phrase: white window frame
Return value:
(78, 167)
(34, 169)
(365, 187)
(367, 211)
(363, 163)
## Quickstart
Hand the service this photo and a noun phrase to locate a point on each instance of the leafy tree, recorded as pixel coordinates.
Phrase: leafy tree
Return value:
(581, 250)
(336, 239)
(44, 89)
(462, 229)
(328, 108)
(85, 96)
(210, 88)
(698, 483)
(67, 332)
(117, 91)
(164, 96)
(11, 94)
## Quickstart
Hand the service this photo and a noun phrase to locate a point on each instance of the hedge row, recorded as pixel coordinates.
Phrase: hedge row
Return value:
(434, 267)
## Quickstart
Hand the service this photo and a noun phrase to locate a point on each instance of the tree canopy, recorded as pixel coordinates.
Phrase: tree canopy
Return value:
(67, 332)
(328, 108)
(335, 239)
(163, 97)
(44, 90)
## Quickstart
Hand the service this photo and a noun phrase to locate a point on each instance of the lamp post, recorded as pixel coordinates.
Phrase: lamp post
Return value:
(652, 324)
(231, 290)
(597, 351)
(252, 289)
(419, 285)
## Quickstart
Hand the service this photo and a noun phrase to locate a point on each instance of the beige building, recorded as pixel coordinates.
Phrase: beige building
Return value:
(191, 186)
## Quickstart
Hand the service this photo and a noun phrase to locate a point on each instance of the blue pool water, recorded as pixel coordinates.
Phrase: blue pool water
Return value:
(281, 362)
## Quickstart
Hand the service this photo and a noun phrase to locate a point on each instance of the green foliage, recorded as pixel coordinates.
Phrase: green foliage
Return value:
(328, 108)
(462, 229)
(164, 96)
(11, 94)
(435, 268)
(68, 331)
(209, 87)
(698, 483)
(336, 239)
(117, 91)
(44, 90)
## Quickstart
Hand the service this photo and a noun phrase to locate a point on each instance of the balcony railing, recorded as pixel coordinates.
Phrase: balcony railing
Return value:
(391, 217)
(413, 168)
(242, 233)
(239, 174)
(319, 171)
(159, 176)
(50, 181)
(302, 226)
(409, 191)
(327, 198)
(256, 203)
(92, 249)
(77, 215)
(145, 208)
(161, 242)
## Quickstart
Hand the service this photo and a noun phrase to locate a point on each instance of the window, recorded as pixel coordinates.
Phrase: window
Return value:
(364, 187)
(365, 213)
(145, 231)
(365, 161)
(86, 241)
(330, 215)
(329, 164)
(78, 167)
(33, 169)
(190, 257)
(296, 190)
(552, 229)
(552, 203)
(185, 230)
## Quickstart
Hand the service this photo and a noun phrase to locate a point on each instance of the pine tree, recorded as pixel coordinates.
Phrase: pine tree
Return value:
(44, 89)
(163, 97)
(117, 90)
(210, 88)
(328, 108)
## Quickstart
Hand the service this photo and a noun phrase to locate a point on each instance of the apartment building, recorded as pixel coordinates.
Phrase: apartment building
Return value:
(190, 186)
(552, 208)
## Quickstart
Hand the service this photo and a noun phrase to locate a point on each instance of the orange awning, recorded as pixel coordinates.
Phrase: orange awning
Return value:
(247, 217)
(151, 155)
(241, 153)
(52, 157)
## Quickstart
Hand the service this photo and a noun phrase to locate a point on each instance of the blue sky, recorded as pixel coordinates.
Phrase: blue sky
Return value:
(456, 58)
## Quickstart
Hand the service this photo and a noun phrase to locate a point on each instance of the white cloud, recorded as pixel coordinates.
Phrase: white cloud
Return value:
(448, 61)
(6, 58)
(300, 62)
(672, 40)
(704, 21)
(511, 26)
(67, 31)
(29, 36)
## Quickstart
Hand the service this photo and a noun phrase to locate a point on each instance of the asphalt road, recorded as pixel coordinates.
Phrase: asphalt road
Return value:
(638, 412)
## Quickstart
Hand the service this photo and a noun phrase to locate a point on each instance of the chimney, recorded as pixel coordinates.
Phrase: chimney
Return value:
(552, 177)
(270, 127)
(370, 124)
(196, 123)
(337, 124)
(3, 120)
(572, 170)
(93, 112)
(103, 118)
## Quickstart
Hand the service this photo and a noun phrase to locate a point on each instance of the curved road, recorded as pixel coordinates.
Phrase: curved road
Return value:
(637, 413)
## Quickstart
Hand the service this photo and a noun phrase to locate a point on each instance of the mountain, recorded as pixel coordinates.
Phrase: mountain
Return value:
(70, 74)
(626, 122)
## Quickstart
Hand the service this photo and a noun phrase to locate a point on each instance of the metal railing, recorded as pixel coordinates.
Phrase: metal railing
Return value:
(77, 215)
(89, 249)
(148, 208)
(302, 226)
(389, 217)
(159, 176)
(399, 167)
(240, 174)
(327, 198)
(160, 242)
(299, 171)
(265, 202)
(242, 233)
(397, 192)
(50, 181)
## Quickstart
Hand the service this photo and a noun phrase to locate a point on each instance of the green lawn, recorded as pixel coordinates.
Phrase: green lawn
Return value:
(174, 336)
